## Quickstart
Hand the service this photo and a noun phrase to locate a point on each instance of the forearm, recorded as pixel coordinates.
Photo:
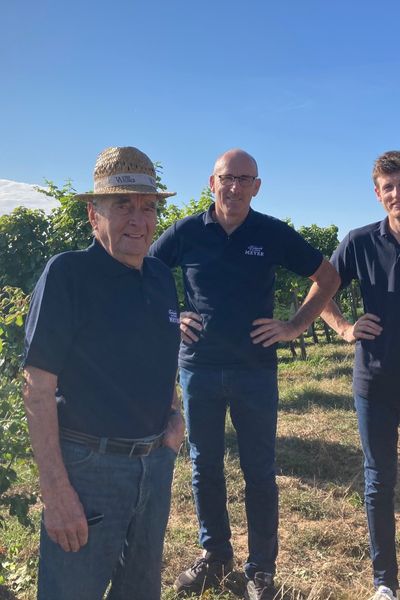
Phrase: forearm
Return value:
(334, 318)
(326, 282)
(41, 411)
(175, 429)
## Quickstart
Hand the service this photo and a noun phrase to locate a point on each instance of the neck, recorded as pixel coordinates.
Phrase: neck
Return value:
(227, 224)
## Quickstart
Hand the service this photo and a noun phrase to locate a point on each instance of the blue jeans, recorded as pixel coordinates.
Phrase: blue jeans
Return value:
(252, 397)
(378, 422)
(125, 547)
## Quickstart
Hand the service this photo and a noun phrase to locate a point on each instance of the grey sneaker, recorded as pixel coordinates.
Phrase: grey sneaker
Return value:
(383, 593)
(261, 587)
(206, 572)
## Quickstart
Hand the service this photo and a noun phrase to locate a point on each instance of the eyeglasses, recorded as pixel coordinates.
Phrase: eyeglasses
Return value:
(244, 180)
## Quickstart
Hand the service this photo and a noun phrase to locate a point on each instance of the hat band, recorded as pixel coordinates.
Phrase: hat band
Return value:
(124, 179)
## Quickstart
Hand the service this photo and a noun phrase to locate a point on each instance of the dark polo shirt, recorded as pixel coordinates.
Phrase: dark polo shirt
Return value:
(371, 254)
(229, 280)
(111, 335)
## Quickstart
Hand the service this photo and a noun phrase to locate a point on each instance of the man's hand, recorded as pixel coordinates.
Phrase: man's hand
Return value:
(188, 322)
(270, 331)
(366, 328)
(64, 518)
(175, 432)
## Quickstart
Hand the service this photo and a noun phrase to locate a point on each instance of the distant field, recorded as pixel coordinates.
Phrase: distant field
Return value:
(323, 535)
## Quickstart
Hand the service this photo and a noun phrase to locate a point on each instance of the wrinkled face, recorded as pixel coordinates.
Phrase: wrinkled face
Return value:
(125, 226)
(388, 193)
(232, 199)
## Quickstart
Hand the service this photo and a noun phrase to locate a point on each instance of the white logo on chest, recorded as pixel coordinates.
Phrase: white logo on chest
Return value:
(173, 316)
(255, 251)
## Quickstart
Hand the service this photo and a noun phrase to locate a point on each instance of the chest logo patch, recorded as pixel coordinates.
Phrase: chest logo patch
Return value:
(255, 251)
(173, 316)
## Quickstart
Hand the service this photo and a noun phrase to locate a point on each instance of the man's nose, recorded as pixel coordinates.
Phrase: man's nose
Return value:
(235, 183)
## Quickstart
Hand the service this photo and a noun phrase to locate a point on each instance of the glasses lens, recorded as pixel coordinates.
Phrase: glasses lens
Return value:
(226, 179)
(246, 180)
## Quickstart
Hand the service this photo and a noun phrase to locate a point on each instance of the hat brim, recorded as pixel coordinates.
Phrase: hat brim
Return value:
(90, 196)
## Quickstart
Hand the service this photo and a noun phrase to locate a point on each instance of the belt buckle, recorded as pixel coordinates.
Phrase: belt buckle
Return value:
(147, 447)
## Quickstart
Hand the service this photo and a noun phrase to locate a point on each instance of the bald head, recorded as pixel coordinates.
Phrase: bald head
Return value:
(235, 155)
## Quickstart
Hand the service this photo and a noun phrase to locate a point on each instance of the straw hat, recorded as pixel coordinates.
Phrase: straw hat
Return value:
(120, 171)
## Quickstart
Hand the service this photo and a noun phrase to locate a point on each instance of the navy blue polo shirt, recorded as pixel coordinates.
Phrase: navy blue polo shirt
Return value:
(371, 254)
(111, 334)
(229, 280)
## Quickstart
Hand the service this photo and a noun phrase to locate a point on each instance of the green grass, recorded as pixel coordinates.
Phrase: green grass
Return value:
(323, 533)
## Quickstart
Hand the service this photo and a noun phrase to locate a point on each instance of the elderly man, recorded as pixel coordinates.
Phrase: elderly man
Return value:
(102, 339)
(228, 256)
(371, 255)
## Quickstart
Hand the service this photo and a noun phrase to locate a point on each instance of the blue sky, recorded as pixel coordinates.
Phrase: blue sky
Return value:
(310, 88)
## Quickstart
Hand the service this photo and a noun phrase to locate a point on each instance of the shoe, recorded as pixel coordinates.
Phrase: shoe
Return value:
(206, 572)
(261, 588)
(383, 593)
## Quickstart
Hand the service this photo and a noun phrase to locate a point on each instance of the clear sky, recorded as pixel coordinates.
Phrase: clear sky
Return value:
(311, 88)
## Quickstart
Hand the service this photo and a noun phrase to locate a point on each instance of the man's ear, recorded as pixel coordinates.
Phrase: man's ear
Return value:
(257, 184)
(92, 215)
(378, 193)
(212, 180)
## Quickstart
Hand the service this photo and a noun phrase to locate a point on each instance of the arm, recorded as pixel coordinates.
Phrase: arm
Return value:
(175, 431)
(64, 517)
(269, 331)
(366, 327)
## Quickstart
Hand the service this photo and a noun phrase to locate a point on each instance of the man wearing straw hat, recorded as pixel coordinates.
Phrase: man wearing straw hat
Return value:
(228, 256)
(100, 362)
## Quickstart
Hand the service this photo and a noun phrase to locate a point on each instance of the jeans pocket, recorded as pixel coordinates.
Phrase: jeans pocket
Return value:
(75, 455)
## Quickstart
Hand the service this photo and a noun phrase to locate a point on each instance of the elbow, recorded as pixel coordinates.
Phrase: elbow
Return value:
(327, 278)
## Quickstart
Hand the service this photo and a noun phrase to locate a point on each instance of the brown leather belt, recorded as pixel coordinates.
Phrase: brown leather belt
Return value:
(111, 445)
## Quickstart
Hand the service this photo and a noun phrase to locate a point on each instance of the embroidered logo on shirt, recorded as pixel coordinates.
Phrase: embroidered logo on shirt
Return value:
(173, 316)
(255, 251)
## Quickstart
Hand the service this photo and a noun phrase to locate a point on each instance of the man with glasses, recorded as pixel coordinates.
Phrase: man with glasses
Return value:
(227, 358)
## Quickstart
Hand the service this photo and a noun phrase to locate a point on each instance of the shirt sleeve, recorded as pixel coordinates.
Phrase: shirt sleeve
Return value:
(49, 328)
(167, 247)
(343, 261)
(298, 255)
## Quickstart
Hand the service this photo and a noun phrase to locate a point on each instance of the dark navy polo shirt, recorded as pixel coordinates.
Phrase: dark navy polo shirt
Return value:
(371, 254)
(229, 280)
(111, 334)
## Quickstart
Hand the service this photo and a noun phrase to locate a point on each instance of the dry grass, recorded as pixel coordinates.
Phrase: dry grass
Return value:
(323, 534)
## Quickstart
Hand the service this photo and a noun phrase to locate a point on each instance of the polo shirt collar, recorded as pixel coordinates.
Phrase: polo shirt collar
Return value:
(384, 227)
(208, 219)
(109, 266)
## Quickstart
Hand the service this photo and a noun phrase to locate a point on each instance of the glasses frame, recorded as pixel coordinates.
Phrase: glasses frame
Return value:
(250, 179)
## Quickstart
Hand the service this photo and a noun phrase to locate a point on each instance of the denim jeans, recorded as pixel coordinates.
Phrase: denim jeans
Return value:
(252, 397)
(125, 547)
(378, 422)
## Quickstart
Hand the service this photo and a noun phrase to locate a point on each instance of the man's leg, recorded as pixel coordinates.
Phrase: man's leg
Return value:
(138, 573)
(254, 415)
(205, 411)
(108, 486)
(378, 422)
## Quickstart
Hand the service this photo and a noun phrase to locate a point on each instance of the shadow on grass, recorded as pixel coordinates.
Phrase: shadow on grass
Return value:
(320, 461)
(302, 401)
(315, 460)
